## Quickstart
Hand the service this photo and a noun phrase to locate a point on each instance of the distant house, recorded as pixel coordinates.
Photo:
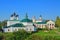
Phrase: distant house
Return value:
(41, 23)
(51, 24)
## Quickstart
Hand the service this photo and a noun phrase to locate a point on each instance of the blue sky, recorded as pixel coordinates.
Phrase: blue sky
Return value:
(49, 9)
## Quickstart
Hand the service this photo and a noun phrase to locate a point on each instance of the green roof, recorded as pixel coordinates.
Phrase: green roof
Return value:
(17, 25)
(41, 23)
(5, 27)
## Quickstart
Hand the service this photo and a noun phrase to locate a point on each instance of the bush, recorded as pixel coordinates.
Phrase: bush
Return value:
(21, 35)
(35, 37)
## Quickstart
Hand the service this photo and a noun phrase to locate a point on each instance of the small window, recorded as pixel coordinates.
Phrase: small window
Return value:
(52, 24)
(8, 29)
(30, 29)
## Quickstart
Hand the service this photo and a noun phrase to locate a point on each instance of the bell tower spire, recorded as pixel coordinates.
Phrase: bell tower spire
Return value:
(26, 16)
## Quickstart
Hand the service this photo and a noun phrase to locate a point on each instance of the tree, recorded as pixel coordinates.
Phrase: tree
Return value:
(0, 25)
(9, 36)
(57, 22)
(4, 23)
(20, 35)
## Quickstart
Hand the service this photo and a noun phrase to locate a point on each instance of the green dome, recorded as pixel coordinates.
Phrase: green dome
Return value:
(26, 20)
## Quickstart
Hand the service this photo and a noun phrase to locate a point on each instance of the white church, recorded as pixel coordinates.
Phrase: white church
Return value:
(14, 24)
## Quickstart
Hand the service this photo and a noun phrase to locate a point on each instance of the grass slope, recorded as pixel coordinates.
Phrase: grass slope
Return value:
(45, 35)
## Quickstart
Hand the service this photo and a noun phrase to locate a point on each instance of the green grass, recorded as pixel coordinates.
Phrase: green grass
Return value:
(50, 32)
(46, 35)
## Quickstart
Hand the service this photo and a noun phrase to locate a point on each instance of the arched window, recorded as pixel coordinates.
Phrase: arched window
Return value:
(52, 24)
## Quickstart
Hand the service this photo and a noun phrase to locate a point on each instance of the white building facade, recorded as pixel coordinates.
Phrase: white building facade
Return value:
(14, 24)
(40, 23)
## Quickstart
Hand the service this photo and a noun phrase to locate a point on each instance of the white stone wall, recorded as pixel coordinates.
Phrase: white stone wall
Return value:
(6, 29)
(38, 20)
(18, 28)
(29, 28)
(13, 18)
(12, 22)
(26, 23)
(41, 25)
(12, 29)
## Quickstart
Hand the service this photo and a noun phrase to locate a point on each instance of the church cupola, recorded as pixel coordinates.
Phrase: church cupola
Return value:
(17, 15)
(40, 18)
(34, 19)
(14, 16)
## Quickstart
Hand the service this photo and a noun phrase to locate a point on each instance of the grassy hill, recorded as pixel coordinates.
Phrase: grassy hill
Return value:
(45, 35)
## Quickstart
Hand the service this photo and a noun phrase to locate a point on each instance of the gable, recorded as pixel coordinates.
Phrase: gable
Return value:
(50, 22)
